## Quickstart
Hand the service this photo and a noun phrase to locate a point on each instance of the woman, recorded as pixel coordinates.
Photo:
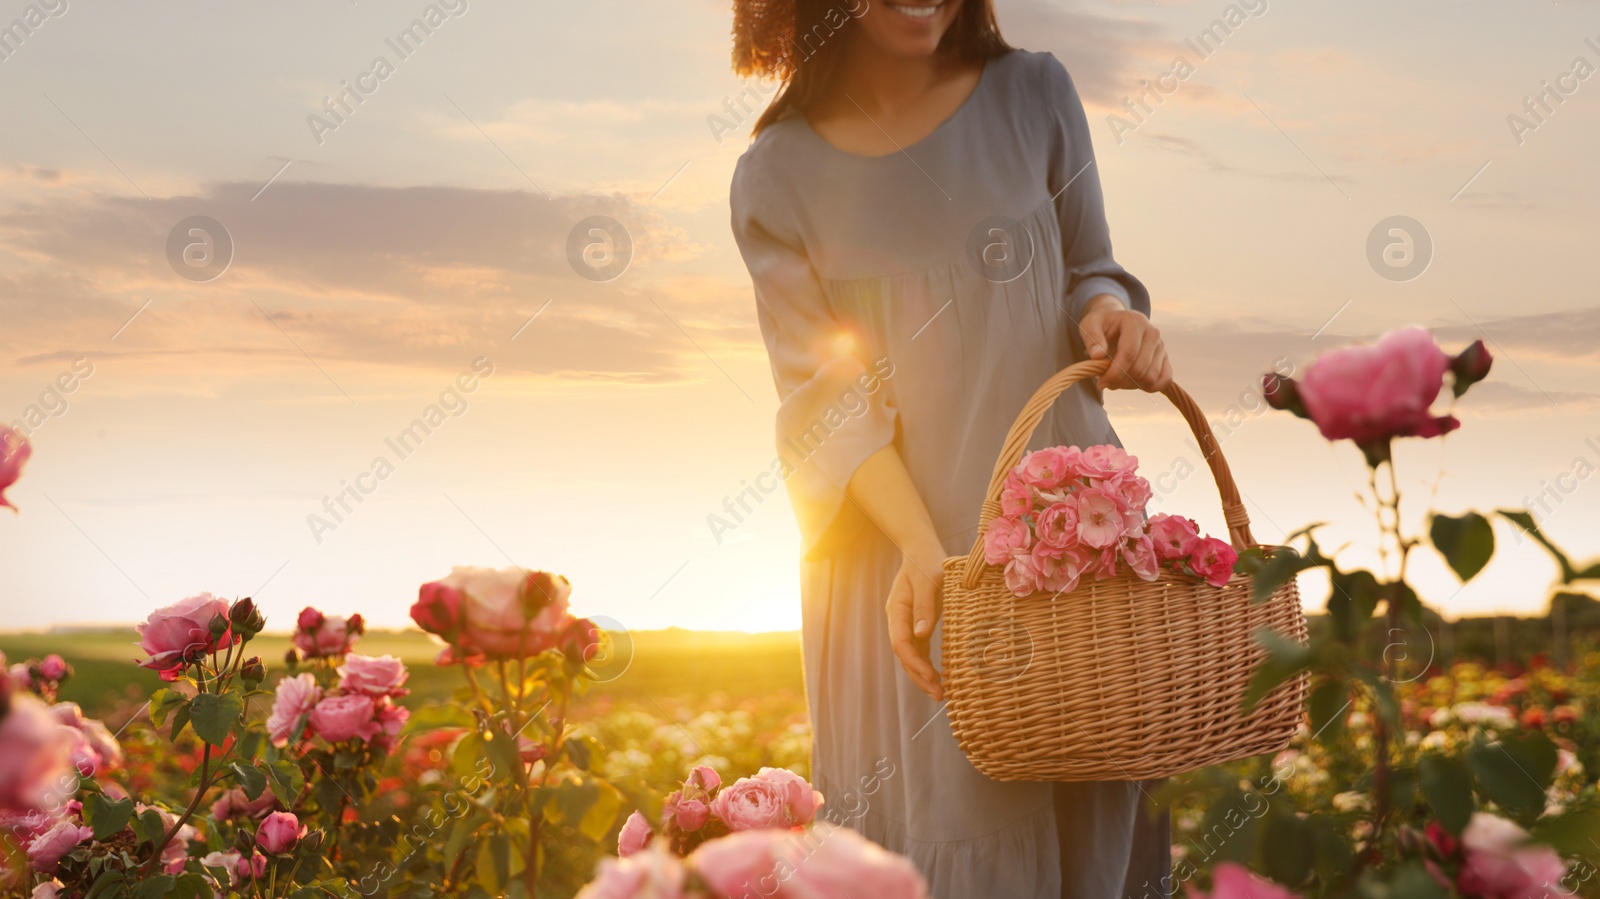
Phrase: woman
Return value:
(925, 233)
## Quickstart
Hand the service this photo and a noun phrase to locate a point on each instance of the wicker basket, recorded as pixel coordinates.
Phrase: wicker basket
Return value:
(1121, 679)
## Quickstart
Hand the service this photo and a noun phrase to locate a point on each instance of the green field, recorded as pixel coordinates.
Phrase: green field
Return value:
(669, 663)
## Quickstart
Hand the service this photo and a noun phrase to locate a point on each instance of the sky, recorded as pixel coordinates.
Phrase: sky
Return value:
(381, 260)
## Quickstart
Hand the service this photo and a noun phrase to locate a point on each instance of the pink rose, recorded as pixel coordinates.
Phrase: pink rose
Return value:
(1369, 394)
(389, 719)
(1500, 863)
(775, 797)
(1230, 880)
(180, 633)
(237, 868)
(1003, 536)
(344, 717)
(1016, 498)
(1057, 569)
(310, 620)
(1174, 536)
(1058, 524)
(1103, 461)
(234, 803)
(703, 777)
(1140, 554)
(1100, 522)
(34, 758)
(634, 836)
(280, 833)
(14, 451)
(1022, 577)
(332, 635)
(374, 676)
(47, 849)
(653, 873)
(1131, 490)
(1104, 562)
(99, 747)
(507, 613)
(438, 610)
(1213, 560)
(296, 697)
(48, 890)
(745, 863)
(1046, 469)
(685, 814)
(844, 863)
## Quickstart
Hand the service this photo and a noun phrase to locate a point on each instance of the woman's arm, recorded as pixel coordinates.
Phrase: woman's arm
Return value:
(882, 488)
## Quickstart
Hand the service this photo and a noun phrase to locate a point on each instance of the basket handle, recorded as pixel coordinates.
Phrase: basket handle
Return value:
(1233, 511)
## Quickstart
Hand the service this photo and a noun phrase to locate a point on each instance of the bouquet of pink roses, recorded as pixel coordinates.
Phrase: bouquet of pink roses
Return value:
(774, 799)
(1066, 512)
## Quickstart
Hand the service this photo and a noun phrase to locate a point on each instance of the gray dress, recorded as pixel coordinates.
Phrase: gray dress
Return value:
(955, 333)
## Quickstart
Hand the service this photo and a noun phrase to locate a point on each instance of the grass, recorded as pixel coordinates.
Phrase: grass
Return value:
(667, 663)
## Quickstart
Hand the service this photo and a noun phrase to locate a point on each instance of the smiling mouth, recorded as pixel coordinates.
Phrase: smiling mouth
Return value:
(917, 10)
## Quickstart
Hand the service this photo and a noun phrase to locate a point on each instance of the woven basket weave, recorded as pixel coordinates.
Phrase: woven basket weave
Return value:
(1121, 679)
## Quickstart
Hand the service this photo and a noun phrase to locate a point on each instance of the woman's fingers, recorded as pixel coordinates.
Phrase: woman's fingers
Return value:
(912, 658)
(1119, 376)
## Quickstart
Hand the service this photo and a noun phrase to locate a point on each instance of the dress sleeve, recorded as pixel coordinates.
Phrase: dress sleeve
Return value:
(835, 409)
(1074, 181)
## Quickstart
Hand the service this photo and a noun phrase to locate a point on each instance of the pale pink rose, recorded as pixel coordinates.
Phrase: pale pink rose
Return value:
(1132, 490)
(296, 697)
(1369, 394)
(175, 635)
(389, 719)
(14, 452)
(689, 815)
(99, 748)
(374, 676)
(1003, 536)
(653, 873)
(775, 797)
(746, 863)
(238, 869)
(1173, 535)
(1058, 524)
(339, 718)
(1500, 863)
(1104, 461)
(510, 612)
(1016, 498)
(1104, 562)
(1021, 576)
(1230, 880)
(47, 849)
(280, 833)
(844, 863)
(634, 836)
(48, 890)
(35, 769)
(234, 803)
(1046, 469)
(1140, 554)
(1057, 569)
(1100, 522)
(1213, 560)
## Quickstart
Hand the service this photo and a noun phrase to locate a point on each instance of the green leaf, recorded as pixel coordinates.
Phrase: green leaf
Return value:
(1572, 833)
(1352, 601)
(106, 817)
(215, 715)
(1230, 821)
(180, 720)
(163, 703)
(148, 826)
(251, 779)
(1327, 707)
(1285, 658)
(105, 883)
(1334, 856)
(1288, 849)
(1408, 880)
(574, 798)
(192, 886)
(1522, 519)
(464, 760)
(155, 887)
(1467, 543)
(286, 780)
(597, 821)
(1515, 772)
(1277, 569)
(1447, 785)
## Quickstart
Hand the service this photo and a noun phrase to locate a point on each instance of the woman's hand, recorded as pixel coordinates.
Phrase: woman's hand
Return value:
(1138, 355)
(913, 610)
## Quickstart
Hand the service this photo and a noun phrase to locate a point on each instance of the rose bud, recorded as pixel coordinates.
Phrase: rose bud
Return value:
(1282, 393)
(54, 668)
(253, 671)
(219, 626)
(1470, 366)
(313, 840)
(280, 833)
(292, 658)
(540, 589)
(310, 619)
(357, 625)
